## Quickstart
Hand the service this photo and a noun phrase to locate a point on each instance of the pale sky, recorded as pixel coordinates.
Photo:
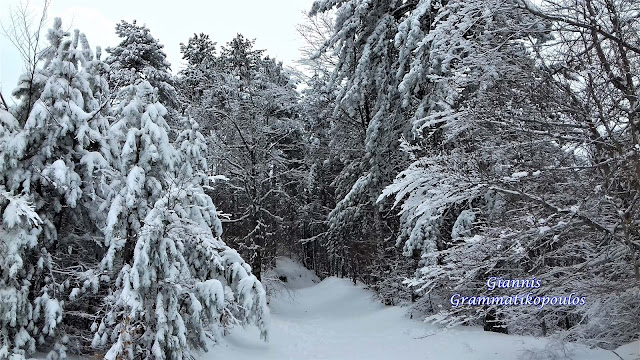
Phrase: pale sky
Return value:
(272, 23)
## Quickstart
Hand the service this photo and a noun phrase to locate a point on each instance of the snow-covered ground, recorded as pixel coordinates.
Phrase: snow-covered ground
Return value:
(335, 320)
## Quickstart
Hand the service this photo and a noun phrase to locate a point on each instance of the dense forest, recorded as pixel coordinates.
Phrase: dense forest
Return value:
(420, 148)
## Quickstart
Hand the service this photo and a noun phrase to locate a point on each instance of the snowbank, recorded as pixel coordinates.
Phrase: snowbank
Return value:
(290, 274)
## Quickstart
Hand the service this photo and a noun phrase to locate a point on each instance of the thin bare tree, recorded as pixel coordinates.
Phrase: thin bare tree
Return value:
(23, 29)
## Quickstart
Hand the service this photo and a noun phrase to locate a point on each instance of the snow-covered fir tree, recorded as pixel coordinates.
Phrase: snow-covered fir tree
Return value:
(367, 101)
(51, 160)
(140, 56)
(163, 238)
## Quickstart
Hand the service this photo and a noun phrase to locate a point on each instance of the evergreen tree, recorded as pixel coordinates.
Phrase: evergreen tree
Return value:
(198, 50)
(19, 232)
(368, 100)
(174, 273)
(50, 159)
(140, 56)
(143, 157)
(201, 73)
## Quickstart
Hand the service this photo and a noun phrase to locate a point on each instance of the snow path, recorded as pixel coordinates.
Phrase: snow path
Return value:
(336, 320)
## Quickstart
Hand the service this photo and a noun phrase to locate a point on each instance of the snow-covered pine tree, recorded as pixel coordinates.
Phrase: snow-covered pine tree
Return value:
(175, 276)
(140, 56)
(19, 232)
(200, 73)
(245, 300)
(198, 50)
(50, 158)
(142, 158)
(368, 96)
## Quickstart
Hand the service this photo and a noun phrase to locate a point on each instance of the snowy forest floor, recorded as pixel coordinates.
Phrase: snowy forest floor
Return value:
(334, 319)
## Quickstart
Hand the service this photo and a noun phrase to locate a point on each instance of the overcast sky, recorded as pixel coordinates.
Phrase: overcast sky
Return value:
(272, 23)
